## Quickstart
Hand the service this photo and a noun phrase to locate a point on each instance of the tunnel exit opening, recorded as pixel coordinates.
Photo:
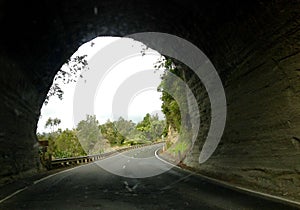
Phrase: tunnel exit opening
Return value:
(138, 79)
(119, 119)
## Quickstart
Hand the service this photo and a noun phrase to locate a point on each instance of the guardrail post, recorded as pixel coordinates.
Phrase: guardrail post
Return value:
(179, 155)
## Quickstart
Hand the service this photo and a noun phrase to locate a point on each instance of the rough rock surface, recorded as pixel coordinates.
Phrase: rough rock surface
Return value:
(260, 145)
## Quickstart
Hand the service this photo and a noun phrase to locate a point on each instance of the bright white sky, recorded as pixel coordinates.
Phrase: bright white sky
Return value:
(144, 101)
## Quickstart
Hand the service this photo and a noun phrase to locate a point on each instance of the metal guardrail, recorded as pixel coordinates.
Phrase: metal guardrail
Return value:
(63, 162)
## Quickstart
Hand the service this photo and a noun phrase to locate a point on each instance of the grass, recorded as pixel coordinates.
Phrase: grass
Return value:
(179, 147)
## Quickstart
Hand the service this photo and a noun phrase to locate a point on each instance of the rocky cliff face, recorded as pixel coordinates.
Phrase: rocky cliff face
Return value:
(260, 145)
(19, 115)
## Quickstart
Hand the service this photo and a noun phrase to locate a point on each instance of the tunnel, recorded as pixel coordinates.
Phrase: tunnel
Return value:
(254, 46)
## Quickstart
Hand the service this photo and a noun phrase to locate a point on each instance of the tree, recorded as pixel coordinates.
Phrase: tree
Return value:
(49, 123)
(125, 127)
(66, 75)
(145, 124)
(89, 133)
(52, 123)
(170, 106)
(118, 132)
(157, 127)
(175, 106)
(67, 145)
(109, 131)
(56, 121)
(150, 127)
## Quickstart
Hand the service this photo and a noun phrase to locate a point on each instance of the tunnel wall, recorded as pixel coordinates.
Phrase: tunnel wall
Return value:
(19, 115)
(260, 148)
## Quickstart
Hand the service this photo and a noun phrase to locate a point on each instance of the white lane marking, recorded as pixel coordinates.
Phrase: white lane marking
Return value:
(47, 177)
(177, 181)
(40, 180)
(128, 188)
(128, 161)
(225, 184)
(44, 178)
(13, 194)
(156, 155)
(135, 186)
(124, 166)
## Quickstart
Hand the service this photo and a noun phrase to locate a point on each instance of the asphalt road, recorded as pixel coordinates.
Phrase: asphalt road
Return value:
(134, 179)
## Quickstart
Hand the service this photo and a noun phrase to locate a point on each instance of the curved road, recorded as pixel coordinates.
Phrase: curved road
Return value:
(92, 187)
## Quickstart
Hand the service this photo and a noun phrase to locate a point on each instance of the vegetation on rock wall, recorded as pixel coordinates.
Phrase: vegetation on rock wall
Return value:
(169, 107)
(174, 106)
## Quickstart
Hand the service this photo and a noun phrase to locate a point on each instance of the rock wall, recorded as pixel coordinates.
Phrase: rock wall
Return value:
(19, 115)
(260, 147)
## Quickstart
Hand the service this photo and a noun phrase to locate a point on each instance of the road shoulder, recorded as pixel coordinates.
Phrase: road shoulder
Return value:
(198, 173)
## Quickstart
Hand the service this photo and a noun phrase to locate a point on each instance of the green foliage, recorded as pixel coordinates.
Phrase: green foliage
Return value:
(125, 129)
(52, 123)
(145, 124)
(89, 133)
(67, 145)
(110, 132)
(170, 106)
(179, 147)
(91, 138)
(151, 127)
(122, 131)
(118, 132)
(62, 144)
(74, 65)
(175, 106)
(171, 110)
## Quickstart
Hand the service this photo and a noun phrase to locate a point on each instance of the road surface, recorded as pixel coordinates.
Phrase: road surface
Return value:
(128, 187)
